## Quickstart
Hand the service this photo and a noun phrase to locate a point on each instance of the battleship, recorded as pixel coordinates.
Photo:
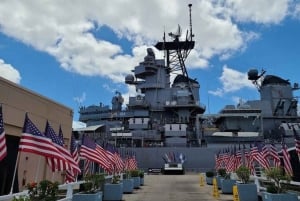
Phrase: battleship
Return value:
(168, 116)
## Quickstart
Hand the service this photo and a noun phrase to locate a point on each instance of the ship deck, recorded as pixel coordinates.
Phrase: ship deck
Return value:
(174, 188)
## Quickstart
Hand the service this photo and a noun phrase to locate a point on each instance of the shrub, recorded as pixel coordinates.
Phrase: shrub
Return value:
(222, 172)
(243, 173)
(134, 173)
(115, 179)
(209, 174)
(44, 191)
(141, 174)
(126, 175)
(271, 188)
(93, 182)
(277, 174)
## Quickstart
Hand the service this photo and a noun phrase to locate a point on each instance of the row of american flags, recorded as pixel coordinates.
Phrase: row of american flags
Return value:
(51, 146)
(257, 155)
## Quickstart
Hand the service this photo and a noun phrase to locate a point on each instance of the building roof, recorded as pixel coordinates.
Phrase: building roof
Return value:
(89, 128)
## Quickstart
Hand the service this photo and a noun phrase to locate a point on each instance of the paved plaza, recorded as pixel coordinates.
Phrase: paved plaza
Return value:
(174, 188)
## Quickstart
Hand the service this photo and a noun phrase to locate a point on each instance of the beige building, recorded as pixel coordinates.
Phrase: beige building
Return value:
(16, 101)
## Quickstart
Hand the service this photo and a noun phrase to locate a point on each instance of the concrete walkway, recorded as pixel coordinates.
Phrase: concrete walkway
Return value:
(174, 188)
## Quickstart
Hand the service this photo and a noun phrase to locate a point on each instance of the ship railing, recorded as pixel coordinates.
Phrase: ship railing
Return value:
(259, 181)
(69, 187)
(74, 185)
(12, 195)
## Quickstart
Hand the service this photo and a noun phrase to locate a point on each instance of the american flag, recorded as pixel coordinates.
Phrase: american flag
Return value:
(3, 151)
(55, 165)
(70, 174)
(130, 162)
(271, 155)
(230, 165)
(117, 160)
(69, 163)
(256, 155)
(286, 159)
(222, 158)
(33, 141)
(107, 160)
(91, 151)
(218, 160)
(238, 158)
(297, 142)
(247, 160)
(87, 167)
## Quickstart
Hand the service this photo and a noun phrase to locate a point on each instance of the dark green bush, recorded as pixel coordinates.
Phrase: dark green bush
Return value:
(222, 172)
(209, 174)
(134, 173)
(271, 188)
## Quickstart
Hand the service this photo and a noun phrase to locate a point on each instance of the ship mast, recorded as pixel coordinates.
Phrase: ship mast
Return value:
(177, 51)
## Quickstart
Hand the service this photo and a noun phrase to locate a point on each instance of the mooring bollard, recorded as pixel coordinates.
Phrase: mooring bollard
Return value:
(235, 193)
(201, 179)
(216, 193)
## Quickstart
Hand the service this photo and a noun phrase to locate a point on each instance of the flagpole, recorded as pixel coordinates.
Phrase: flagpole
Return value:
(15, 170)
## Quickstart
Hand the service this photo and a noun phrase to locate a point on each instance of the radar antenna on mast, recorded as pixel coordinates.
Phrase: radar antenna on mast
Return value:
(176, 51)
(177, 34)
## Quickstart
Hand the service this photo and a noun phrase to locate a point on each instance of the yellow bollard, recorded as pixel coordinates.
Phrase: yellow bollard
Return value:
(201, 180)
(235, 193)
(216, 193)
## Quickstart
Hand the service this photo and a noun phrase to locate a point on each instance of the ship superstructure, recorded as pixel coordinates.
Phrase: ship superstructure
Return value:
(162, 113)
(262, 118)
(166, 116)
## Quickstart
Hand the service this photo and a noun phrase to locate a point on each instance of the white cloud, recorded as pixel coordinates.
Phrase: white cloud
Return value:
(79, 100)
(63, 29)
(267, 11)
(232, 81)
(8, 72)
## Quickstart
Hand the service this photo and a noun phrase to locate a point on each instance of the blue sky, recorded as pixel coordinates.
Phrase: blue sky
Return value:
(78, 52)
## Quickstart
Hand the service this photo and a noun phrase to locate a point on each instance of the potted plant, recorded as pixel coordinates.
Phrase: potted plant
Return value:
(91, 189)
(44, 191)
(136, 178)
(141, 174)
(277, 191)
(127, 183)
(220, 176)
(246, 191)
(227, 184)
(209, 177)
(114, 189)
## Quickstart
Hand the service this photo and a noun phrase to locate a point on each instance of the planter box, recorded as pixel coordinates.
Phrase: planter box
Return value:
(136, 182)
(127, 185)
(113, 192)
(219, 181)
(278, 197)
(227, 185)
(142, 181)
(209, 180)
(91, 197)
(247, 192)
